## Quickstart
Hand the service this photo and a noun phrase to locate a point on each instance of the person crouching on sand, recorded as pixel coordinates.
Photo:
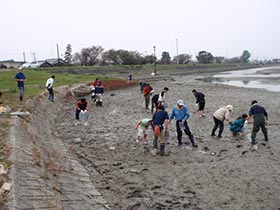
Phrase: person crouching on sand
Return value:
(81, 107)
(142, 127)
(237, 127)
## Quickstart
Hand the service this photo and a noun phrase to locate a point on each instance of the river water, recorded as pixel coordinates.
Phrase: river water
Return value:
(265, 78)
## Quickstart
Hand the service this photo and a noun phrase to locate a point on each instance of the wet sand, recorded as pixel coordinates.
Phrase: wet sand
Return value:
(220, 174)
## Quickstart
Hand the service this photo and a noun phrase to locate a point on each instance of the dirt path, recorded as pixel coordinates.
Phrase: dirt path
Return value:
(220, 174)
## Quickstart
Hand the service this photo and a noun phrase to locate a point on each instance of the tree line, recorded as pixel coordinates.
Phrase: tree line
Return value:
(96, 55)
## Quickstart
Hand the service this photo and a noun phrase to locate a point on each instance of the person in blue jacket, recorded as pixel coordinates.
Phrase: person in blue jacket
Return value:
(20, 78)
(181, 113)
(238, 125)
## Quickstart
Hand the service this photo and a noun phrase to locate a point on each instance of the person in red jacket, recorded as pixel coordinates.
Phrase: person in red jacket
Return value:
(95, 83)
(147, 91)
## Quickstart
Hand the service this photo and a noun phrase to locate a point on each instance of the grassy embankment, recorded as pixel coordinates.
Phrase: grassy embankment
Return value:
(34, 84)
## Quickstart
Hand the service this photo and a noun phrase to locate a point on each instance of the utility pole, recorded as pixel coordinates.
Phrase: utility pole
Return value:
(177, 59)
(155, 60)
(57, 49)
(24, 57)
(34, 57)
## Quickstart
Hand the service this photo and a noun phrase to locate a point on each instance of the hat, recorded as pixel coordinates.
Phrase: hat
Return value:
(230, 107)
(180, 102)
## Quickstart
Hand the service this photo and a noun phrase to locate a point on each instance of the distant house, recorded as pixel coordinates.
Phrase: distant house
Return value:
(40, 64)
(11, 63)
(2, 66)
(56, 62)
(44, 63)
(276, 60)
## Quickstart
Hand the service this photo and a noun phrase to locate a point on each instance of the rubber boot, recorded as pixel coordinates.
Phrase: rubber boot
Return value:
(192, 141)
(155, 143)
(161, 149)
(100, 103)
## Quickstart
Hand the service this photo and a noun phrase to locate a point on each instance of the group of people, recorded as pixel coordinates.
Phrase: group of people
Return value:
(20, 78)
(257, 112)
(82, 103)
(160, 123)
(160, 120)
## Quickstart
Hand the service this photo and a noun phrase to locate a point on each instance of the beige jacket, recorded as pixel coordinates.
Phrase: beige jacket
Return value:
(222, 113)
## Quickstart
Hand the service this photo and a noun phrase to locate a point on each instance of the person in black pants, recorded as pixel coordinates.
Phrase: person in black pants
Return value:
(49, 86)
(181, 114)
(200, 101)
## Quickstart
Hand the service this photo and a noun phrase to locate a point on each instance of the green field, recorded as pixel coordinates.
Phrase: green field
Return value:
(34, 84)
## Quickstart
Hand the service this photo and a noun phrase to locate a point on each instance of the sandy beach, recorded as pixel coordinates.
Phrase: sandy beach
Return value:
(221, 174)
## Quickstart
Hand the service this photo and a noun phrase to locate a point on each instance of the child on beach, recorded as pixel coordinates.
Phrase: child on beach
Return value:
(142, 126)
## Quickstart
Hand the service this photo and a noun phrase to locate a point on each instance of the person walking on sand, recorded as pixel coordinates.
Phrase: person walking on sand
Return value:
(237, 127)
(49, 86)
(142, 126)
(181, 113)
(20, 78)
(159, 99)
(219, 116)
(160, 126)
(81, 107)
(260, 117)
(147, 91)
(200, 101)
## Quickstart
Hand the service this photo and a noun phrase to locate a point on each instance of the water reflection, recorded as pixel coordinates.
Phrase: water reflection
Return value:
(251, 84)
(264, 78)
(265, 72)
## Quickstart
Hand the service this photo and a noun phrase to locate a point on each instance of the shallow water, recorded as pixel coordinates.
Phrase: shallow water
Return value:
(264, 78)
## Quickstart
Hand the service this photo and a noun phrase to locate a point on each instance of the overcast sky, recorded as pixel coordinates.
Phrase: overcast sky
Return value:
(222, 27)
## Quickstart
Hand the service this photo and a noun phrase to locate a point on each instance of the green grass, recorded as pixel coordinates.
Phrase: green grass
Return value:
(35, 84)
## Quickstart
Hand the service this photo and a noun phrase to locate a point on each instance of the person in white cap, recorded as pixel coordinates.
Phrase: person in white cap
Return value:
(181, 113)
(219, 117)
